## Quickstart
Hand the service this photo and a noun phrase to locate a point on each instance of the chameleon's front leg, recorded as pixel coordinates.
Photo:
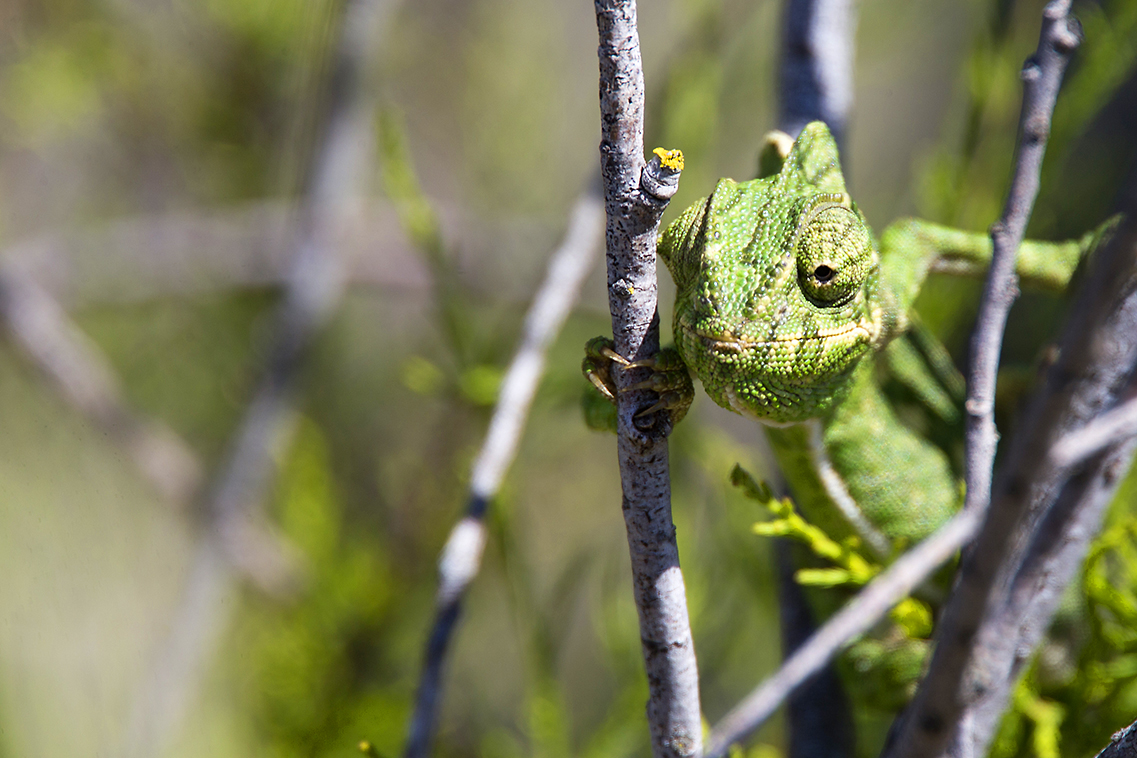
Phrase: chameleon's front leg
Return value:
(669, 379)
(910, 248)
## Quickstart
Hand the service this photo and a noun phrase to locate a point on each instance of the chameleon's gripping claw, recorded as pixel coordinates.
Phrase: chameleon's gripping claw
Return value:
(669, 377)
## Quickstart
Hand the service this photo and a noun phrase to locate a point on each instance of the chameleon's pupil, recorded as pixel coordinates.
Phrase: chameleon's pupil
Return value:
(823, 274)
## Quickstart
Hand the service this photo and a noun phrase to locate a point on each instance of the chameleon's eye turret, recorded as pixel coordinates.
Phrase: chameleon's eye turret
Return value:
(834, 253)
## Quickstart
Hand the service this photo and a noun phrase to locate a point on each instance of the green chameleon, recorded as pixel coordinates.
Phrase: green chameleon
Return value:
(789, 311)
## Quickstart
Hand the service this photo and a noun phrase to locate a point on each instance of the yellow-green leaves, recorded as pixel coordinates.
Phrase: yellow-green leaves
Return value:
(850, 566)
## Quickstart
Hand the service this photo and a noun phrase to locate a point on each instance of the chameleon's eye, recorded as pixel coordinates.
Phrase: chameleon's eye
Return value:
(834, 253)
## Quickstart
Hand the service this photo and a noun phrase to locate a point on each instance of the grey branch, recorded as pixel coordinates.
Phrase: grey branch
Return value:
(1122, 745)
(462, 555)
(859, 615)
(1041, 76)
(633, 214)
(311, 295)
(816, 79)
(83, 376)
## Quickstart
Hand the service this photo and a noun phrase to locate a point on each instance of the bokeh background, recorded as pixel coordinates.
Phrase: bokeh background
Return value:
(158, 149)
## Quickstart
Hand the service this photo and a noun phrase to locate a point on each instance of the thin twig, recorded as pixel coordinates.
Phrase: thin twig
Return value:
(312, 295)
(933, 717)
(634, 202)
(84, 378)
(1041, 76)
(461, 557)
(859, 615)
(1104, 431)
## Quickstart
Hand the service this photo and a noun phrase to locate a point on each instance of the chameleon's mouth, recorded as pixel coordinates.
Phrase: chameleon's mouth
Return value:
(727, 342)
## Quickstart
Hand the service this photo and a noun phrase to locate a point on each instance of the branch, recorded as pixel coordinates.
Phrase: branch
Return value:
(461, 557)
(84, 378)
(633, 212)
(312, 294)
(816, 79)
(1087, 379)
(1123, 744)
(858, 616)
(1041, 76)
(1104, 431)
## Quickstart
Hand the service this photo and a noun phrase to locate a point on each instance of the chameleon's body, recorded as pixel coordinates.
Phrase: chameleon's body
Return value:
(789, 311)
(785, 305)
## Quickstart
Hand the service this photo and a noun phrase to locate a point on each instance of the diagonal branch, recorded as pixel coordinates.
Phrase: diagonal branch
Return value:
(84, 378)
(1104, 431)
(462, 554)
(858, 616)
(1122, 745)
(634, 202)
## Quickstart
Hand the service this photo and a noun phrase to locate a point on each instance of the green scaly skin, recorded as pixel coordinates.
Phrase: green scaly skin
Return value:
(789, 311)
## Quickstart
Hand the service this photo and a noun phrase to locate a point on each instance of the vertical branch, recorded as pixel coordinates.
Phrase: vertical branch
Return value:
(461, 557)
(932, 719)
(816, 78)
(816, 84)
(634, 202)
(312, 293)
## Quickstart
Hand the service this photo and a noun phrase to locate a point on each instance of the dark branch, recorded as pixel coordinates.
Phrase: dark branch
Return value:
(1122, 745)
(816, 79)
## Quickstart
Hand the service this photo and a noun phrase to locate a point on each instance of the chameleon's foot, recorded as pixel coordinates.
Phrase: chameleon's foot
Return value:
(669, 379)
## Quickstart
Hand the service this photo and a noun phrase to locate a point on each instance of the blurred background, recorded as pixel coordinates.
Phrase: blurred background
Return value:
(159, 161)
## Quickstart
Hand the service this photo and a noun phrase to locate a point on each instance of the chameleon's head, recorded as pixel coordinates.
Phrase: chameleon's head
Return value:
(777, 287)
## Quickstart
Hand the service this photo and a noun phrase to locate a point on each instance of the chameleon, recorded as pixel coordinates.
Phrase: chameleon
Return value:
(790, 311)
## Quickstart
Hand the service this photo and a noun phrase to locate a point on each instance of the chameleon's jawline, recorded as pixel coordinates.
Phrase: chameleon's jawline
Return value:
(721, 343)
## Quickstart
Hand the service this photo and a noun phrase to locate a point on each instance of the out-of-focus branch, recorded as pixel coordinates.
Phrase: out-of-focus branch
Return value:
(869, 606)
(461, 557)
(816, 79)
(82, 376)
(634, 202)
(312, 294)
(819, 719)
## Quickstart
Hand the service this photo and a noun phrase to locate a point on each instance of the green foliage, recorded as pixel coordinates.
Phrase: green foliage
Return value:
(318, 669)
(851, 567)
